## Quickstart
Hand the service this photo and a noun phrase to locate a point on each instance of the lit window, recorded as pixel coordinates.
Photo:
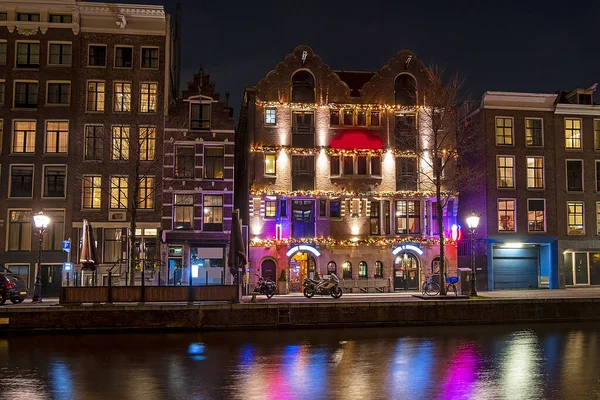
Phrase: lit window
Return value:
(213, 212)
(19, 230)
(146, 193)
(122, 97)
(347, 270)
(374, 220)
(533, 132)
(214, 162)
(148, 97)
(536, 215)
(92, 196)
(506, 215)
(95, 96)
(535, 172)
(147, 143)
(183, 212)
(597, 134)
(378, 269)
(504, 131)
(270, 208)
(362, 270)
(572, 133)
(23, 137)
(118, 192)
(271, 116)
(408, 216)
(270, 164)
(575, 221)
(120, 143)
(506, 171)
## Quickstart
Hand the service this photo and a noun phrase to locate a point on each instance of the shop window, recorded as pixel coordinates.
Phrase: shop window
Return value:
(207, 266)
(347, 270)
(362, 270)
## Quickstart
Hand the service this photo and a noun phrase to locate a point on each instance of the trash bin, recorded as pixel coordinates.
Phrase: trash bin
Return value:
(464, 281)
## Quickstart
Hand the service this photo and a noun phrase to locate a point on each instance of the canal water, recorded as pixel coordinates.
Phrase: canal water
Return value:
(550, 361)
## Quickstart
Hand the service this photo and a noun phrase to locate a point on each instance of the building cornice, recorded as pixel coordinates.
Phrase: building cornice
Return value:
(578, 109)
(519, 101)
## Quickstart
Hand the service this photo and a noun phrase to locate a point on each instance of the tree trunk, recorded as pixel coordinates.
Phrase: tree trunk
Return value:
(132, 252)
(440, 222)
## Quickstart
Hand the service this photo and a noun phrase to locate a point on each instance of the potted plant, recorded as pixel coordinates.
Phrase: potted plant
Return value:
(282, 284)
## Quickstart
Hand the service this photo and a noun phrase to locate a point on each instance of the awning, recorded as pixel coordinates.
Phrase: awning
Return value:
(356, 139)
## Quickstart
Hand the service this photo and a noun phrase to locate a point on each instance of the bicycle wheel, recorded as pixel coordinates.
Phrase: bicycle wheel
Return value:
(432, 289)
(453, 288)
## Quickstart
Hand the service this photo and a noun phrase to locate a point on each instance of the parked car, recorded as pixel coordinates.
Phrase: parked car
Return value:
(13, 288)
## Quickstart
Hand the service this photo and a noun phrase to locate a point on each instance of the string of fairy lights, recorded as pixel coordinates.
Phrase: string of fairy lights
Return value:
(332, 151)
(330, 242)
(349, 193)
(339, 106)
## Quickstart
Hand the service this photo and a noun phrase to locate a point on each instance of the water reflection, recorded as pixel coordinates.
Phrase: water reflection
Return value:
(534, 362)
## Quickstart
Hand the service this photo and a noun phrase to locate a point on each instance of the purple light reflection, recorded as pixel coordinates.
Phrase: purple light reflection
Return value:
(461, 376)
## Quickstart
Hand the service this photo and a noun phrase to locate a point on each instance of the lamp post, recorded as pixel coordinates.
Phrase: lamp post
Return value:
(41, 222)
(472, 223)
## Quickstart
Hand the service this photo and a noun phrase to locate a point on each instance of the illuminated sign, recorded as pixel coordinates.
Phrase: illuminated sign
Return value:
(406, 247)
(278, 232)
(67, 266)
(302, 247)
(456, 232)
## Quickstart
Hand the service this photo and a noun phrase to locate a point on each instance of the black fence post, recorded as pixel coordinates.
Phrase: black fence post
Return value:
(143, 283)
(109, 295)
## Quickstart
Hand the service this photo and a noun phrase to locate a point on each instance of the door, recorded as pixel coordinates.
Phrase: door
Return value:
(51, 280)
(581, 269)
(516, 268)
(268, 270)
(303, 219)
(406, 272)
(176, 277)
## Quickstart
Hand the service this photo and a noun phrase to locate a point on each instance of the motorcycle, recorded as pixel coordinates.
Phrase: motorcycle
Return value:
(330, 286)
(265, 286)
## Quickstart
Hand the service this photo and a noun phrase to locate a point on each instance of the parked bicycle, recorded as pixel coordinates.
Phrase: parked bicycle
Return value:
(451, 284)
(430, 288)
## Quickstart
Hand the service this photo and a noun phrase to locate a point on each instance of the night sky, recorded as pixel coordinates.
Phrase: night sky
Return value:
(507, 46)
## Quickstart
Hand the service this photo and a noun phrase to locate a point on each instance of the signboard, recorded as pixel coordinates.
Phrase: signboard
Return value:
(66, 245)
(67, 266)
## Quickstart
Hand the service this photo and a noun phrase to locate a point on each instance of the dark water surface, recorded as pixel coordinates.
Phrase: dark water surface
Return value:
(550, 361)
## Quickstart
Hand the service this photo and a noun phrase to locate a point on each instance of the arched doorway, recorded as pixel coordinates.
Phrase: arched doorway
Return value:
(406, 271)
(302, 265)
(268, 269)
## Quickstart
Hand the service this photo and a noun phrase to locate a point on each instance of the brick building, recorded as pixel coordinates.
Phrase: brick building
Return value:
(330, 160)
(540, 217)
(197, 197)
(74, 78)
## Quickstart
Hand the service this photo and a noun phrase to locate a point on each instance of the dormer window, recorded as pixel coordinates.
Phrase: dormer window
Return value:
(200, 116)
(303, 87)
(405, 87)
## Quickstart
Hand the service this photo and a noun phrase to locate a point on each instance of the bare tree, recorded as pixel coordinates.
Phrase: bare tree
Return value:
(444, 134)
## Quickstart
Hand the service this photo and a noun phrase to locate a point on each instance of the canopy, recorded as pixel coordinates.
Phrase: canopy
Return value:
(356, 139)
(237, 253)
(88, 258)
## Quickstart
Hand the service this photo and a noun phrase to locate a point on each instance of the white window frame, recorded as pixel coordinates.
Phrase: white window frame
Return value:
(83, 180)
(512, 131)
(48, 94)
(580, 148)
(514, 200)
(10, 180)
(87, 61)
(44, 181)
(543, 132)
(8, 210)
(545, 214)
(582, 176)
(17, 42)
(582, 217)
(15, 93)
(115, 56)
(498, 172)
(12, 136)
(543, 173)
(275, 164)
(114, 100)
(60, 43)
(149, 83)
(267, 109)
(87, 96)
(46, 136)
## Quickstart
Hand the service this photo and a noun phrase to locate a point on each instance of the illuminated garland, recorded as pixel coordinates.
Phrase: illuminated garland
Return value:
(330, 242)
(338, 106)
(329, 151)
(347, 193)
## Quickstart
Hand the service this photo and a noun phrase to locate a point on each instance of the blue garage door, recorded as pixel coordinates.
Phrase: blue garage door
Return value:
(516, 268)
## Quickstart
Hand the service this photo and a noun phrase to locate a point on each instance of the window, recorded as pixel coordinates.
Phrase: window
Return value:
(150, 57)
(184, 212)
(146, 193)
(534, 136)
(376, 165)
(200, 116)
(375, 118)
(348, 165)
(270, 116)
(408, 216)
(504, 131)
(574, 175)
(335, 209)
(347, 270)
(118, 192)
(572, 133)
(323, 208)
(26, 94)
(3, 16)
(55, 177)
(334, 165)
(406, 173)
(185, 161)
(387, 215)
(57, 136)
(95, 96)
(535, 172)
(213, 212)
(19, 230)
(536, 215)
(120, 143)
(361, 118)
(374, 218)
(123, 57)
(122, 97)
(97, 55)
(361, 165)
(28, 55)
(21, 181)
(214, 162)
(270, 164)
(303, 129)
(348, 117)
(21, 270)
(506, 215)
(405, 88)
(61, 19)
(598, 218)
(60, 54)
(147, 138)
(506, 171)
(28, 17)
(597, 134)
(283, 207)
(270, 208)
(303, 172)
(59, 93)
(378, 269)
(55, 232)
(334, 117)
(362, 270)
(92, 196)
(23, 137)
(3, 47)
(331, 268)
(148, 97)
(113, 237)
(2, 92)
(575, 221)
(93, 142)
(303, 87)
(598, 176)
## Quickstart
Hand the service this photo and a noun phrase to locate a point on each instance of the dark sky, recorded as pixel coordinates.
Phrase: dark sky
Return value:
(539, 46)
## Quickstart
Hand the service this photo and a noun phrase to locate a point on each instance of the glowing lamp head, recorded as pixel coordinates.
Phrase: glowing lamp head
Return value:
(473, 220)
(41, 220)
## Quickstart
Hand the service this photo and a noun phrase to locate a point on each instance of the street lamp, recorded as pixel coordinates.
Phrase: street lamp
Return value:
(472, 223)
(41, 222)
